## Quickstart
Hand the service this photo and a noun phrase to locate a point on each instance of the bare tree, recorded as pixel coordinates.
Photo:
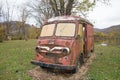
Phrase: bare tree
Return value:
(1, 12)
(25, 13)
(7, 19)
(41, 10)
(2, 32)
(7, 16)
(67, 7)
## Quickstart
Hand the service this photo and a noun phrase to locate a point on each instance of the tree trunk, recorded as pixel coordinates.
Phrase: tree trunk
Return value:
(69, 7)
(62, 10)
(54, 7)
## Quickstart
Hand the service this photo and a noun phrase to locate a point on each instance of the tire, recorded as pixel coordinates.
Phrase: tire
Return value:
(81, 59)
(76, 68)
(79, 63)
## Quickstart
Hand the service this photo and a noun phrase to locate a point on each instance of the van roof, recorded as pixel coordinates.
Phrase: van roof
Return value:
(68, 18)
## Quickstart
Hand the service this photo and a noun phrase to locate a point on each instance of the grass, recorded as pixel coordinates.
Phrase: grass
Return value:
(15, 59)
(106, 65)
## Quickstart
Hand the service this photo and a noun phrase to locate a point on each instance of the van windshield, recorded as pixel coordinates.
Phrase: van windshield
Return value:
(47, 30)
(62, 29)
(65, 29)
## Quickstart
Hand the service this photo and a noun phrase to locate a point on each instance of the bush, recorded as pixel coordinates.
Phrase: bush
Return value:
(2, 34)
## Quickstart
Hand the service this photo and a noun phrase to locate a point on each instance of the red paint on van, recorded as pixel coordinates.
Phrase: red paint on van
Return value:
(64, 42)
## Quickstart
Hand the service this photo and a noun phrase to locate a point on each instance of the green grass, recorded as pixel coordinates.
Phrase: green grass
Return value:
(15, 59)
(106, 65)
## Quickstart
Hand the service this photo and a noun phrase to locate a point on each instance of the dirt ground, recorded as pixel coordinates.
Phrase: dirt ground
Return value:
(42, 74)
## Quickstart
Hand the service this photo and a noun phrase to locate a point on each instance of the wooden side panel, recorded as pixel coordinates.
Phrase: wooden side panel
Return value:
(89, 39)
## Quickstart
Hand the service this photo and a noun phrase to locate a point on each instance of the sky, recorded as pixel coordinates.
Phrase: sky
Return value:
(102, 16)
(106, 15)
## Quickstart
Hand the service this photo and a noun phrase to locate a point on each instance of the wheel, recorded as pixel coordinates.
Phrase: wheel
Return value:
(81, 59)
(75, 70)
(79, 63)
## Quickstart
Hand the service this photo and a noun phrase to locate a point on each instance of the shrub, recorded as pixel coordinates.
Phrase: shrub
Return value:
(2, 33)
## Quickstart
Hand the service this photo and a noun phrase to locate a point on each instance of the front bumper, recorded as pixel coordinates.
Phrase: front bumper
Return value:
(54, 66)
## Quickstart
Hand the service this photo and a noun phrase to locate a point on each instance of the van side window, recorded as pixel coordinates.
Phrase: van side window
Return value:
(80, 30)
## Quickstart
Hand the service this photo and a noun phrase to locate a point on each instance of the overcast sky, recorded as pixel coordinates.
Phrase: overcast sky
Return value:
(103, 16)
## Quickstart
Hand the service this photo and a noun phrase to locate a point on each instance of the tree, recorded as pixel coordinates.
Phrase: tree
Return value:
(33, 32)
(43, 9)
(2, 32)
(1, 12)
(7, 19)
(7, 16)
(62, 7)
(25, 13)
(67, 7)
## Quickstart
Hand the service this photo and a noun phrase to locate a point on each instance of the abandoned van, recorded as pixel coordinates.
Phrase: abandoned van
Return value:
(64, 42)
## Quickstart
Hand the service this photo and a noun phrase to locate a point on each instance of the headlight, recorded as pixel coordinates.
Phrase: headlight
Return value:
(37, 49)
(65, 51)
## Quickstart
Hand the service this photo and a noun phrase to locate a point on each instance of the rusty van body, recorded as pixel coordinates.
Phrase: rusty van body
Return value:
(64, 42)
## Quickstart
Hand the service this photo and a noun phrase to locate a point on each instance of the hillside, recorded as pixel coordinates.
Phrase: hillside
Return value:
(110, 35)
(114, 28)
(15, 26)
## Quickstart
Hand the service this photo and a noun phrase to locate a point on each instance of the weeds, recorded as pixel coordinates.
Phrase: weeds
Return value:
(106, 65)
